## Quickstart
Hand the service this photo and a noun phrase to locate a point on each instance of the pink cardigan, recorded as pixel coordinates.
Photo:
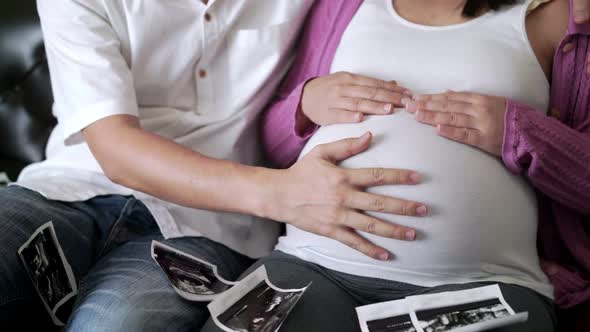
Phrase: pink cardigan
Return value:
(553, 153)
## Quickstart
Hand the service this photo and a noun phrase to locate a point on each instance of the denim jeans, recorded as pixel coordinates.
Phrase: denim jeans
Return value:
(330, 301)
(107, 242)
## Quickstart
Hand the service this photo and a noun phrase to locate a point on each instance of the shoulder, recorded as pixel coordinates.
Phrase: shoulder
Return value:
(70, 9)
(549, 22)
(546, 27)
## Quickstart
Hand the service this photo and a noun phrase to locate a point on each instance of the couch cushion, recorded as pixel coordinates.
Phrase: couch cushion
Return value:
(25, 91)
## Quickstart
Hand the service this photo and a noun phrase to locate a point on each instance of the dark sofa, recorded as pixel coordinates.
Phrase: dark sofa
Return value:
(25, 91)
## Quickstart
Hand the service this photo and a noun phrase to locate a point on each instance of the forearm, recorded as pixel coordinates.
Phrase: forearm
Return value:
(552, 156)
(143, 161)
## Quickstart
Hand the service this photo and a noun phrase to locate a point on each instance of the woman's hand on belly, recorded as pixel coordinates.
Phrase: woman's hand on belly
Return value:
(345, 98)
(469, 118)
(317, 196)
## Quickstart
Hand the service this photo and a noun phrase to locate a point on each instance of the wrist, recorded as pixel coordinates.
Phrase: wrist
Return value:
(266, 198)
(303, 124)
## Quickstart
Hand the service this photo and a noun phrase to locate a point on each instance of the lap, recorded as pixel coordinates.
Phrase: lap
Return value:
(127, 291)
(21, 212)
(329, 303)
(325, 306)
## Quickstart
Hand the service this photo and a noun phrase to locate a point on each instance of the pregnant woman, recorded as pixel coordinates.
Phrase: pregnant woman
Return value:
(482, 218)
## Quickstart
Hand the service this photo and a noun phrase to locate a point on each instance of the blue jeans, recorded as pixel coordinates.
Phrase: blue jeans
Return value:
(107, 242)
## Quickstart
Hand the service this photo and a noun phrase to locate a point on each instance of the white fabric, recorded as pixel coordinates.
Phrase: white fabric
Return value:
(483, 221)
(143, 58)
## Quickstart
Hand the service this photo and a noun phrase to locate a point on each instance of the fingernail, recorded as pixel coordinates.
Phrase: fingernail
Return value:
(387, 108)
(405, 100)
(415, 178)
(365, 136)
(384, 256)
(422, 211)
(411, 106)
(410, 235)
(359, 117)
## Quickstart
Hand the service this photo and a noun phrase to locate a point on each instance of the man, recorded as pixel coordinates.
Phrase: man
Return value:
(157, 103)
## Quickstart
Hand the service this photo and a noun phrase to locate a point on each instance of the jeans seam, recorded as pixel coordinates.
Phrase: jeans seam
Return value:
(125, 211)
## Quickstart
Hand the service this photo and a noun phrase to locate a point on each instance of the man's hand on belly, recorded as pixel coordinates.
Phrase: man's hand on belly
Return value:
(469, 118)
(319, 197)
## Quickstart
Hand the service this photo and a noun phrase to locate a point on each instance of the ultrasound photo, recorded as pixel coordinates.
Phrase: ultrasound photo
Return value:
(449, 318)
(192, 278)
(48, 269)
(254, 305)
(470, 310)
(401, 323)
(261, 310)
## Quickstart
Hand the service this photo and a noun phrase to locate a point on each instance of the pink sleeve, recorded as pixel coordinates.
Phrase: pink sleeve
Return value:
(553, 156)
(281, 141)
(324, 26)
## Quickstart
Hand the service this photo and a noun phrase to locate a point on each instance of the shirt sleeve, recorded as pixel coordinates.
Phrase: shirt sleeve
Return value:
(90, 77)
(553, 156)
(282, 140)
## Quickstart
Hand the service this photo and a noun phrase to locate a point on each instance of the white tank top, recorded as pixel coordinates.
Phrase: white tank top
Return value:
(483, 221)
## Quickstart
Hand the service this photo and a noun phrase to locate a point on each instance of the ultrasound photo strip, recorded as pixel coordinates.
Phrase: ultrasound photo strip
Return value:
(192, 278)
(391, 316)
(471, 310)
(254, 304)
(49, 270)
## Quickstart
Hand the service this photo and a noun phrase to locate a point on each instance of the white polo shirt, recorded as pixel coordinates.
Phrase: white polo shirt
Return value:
(196, 73)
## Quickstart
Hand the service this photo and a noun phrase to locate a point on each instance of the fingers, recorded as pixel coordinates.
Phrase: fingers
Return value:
(364, 106)
(343, 149)
(466, 97)
(390, 96)
(352, 239)
(377, 203)
(363, 223)
(581, 11)
(337, 115)
(370, 177)
(462, 135)
(447, 119)
(440, 106)
(355, 79)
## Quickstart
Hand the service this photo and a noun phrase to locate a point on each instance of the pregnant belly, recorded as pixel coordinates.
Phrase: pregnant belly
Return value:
(480, 214)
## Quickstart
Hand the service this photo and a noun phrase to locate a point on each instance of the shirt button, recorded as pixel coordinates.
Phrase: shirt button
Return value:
(568, 47)
(202, 73)
(207, 17)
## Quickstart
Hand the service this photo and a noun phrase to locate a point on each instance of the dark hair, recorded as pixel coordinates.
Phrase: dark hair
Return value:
(474, 7)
